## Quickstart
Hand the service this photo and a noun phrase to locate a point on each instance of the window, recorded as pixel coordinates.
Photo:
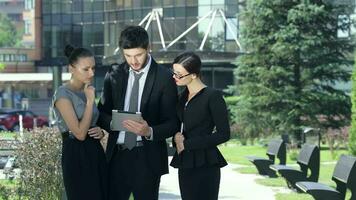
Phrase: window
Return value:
(233, 24)
(157, 3)
(137, 3)
(168, 12)
(168, 2)
(22, 58)
(88, 6)
(180, 11)
(192, 2)
(98, 6)
(56, 7)
(27, 27)
(66, 19)
(192, 11)
(128, 4)
(77, 18)
(137, 14)
(7, 58)
(29, 4)
(180, 2)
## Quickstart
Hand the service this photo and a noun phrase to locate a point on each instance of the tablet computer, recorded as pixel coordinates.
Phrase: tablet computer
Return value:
(118, 116)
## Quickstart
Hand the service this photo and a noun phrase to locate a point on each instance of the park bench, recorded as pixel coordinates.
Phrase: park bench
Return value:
(276, 148)
(308, 159)
(344, 176)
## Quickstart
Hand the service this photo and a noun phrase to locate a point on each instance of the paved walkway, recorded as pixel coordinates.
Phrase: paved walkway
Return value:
(233, 186)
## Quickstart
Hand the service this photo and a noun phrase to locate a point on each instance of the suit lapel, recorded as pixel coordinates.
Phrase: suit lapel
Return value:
(151, 77)
(119, 86)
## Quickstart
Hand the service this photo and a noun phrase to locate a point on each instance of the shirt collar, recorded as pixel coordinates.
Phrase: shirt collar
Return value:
(146, 68)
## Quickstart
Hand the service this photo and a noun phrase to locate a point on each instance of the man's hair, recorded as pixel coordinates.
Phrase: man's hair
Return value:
(133, 37)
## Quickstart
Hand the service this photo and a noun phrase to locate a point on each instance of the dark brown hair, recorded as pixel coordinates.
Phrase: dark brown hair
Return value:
(73, 54)
(190, 61)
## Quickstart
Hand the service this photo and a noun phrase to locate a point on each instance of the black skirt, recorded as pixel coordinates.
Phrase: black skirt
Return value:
(84, 168)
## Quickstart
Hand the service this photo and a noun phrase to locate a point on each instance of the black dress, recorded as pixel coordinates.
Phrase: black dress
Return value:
(205, 125)
(83, 162)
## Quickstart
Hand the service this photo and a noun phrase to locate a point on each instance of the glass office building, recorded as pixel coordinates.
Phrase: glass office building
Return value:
(96, 24)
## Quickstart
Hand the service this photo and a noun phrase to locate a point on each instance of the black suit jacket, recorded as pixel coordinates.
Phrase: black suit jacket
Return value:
(158, 102)
(206, 125)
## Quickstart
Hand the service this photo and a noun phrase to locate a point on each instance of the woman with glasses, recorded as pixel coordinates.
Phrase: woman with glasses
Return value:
(204, 125)
(83, 159)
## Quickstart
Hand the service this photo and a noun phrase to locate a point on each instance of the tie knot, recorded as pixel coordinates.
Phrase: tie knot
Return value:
(138, 75)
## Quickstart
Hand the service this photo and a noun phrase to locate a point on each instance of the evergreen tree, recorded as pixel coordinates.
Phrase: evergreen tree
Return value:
(293, 59)
(352, 135)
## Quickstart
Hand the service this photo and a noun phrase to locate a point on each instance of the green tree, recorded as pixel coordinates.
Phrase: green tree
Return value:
(2, 66)
(352, 135)
(293, 59)
(8, 34)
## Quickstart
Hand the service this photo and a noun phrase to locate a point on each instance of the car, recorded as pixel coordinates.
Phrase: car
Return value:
(9, 119)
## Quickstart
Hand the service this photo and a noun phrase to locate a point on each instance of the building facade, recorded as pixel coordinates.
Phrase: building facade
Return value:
(97, 24)
(13, 10)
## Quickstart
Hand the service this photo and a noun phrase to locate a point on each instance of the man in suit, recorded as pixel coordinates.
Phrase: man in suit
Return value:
(137, 167)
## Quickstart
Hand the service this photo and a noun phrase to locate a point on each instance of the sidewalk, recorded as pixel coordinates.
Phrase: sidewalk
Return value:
(233, 186)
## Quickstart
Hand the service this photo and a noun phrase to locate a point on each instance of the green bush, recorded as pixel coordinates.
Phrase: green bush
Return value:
(39, 158)
(231, 100)
(352, 136)
(5, 192)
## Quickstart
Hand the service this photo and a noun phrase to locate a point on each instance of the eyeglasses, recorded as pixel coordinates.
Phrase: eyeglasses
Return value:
(179, 76)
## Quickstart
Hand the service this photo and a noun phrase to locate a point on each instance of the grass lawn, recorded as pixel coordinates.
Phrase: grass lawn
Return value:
(8, 182)
(236, 154)
(7, 135)
(293, 196)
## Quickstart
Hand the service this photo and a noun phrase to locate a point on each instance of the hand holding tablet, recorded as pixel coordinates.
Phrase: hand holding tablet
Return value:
(119, 116)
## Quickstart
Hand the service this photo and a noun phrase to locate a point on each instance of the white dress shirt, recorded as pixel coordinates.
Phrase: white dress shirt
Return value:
(130, 82)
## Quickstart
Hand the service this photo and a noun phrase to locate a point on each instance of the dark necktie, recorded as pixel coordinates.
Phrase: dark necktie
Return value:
(130, 138)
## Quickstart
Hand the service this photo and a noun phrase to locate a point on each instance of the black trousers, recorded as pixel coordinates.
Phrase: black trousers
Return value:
(129, 173)
(199, 183)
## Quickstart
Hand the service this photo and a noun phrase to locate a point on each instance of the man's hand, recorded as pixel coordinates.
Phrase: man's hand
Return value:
(179, 140)
(140, 128)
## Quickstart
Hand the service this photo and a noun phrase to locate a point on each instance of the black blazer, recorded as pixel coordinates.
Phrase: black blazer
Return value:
(206, 125)
(159, 99)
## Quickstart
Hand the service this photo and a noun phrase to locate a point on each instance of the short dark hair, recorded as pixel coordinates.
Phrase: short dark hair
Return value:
(133, 37)
(73, 54)
(190, 61)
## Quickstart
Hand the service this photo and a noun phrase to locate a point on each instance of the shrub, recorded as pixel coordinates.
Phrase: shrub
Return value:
(5, 192)
(39, 158)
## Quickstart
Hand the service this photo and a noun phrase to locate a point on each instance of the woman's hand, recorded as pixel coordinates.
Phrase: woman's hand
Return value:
(96, 133)
(179, 140)
(89, 92)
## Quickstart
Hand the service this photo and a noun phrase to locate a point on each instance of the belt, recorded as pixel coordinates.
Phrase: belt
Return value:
(122, 147)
